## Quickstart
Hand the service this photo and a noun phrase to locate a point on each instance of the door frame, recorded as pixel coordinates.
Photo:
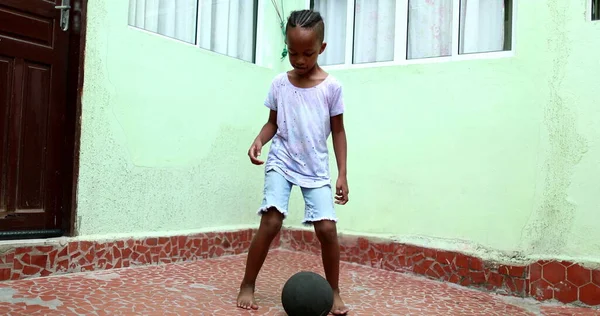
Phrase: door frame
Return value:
(76, 67)
(69, 168)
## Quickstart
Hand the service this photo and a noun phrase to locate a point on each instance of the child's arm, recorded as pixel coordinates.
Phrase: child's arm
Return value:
(338, 133)
(266, 134)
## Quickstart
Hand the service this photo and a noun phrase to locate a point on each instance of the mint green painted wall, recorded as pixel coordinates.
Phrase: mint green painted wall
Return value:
(502, 154)
(165, 130)
(566, 215)
(498, 154)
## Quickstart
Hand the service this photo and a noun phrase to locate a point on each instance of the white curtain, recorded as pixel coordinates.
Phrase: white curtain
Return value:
(429, 28)
(335, 17)
(173, 18)
(481, 26)
(223, 26)
(374, 30)
(227, 27)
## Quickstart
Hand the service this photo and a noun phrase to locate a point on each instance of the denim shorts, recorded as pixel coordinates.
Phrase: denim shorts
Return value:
(318, 201)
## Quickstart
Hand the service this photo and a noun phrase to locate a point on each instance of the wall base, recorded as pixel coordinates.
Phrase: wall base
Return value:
(566, 282)
(68, 255)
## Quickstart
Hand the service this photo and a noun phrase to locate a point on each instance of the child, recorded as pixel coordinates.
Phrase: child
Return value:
(306, 106)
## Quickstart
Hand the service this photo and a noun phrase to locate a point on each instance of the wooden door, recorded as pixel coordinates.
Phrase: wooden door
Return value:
(33, 81)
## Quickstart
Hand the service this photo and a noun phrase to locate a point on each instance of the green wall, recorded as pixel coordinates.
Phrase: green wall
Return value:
(165, 130)
(499, 156)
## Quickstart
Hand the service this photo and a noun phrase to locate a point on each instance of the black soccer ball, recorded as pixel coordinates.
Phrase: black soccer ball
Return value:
(307, 294)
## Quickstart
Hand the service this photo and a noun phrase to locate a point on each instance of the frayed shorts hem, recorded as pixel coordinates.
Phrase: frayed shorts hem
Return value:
(264, 209)
(311, 221)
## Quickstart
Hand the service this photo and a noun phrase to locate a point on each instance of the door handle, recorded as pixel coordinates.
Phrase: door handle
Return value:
(65, 9)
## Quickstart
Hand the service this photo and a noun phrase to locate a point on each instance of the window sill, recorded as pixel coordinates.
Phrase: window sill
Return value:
(465, 57)
(259, 63)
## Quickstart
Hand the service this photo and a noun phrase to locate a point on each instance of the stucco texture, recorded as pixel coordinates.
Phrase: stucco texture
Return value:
(498, 155)
(165, 129)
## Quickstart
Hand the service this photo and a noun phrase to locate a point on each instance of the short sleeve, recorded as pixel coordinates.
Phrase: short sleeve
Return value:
(271, 100)
(336, 103)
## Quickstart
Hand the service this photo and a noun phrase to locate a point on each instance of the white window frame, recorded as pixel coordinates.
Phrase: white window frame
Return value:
(589, 12)
(400, 51)
(259, 45)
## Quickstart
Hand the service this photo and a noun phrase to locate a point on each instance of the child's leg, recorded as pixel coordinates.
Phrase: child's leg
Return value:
(330, 251)
(272, 211)
(320, 212)
(270, 225)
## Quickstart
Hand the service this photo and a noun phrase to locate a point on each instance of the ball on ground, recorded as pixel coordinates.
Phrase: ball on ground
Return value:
(307, 294)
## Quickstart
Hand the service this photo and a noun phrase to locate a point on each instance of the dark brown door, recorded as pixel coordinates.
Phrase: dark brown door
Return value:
(33, 78)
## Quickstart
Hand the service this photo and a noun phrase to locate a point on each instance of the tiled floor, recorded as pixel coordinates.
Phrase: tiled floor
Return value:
(209, 287)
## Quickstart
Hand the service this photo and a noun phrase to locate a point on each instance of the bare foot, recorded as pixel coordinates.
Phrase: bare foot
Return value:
(339, 308)
(245, 299)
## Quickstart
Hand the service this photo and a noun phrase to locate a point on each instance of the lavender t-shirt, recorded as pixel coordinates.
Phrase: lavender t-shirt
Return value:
(299, 148)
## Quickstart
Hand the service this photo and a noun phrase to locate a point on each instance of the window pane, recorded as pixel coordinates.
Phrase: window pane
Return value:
(172, 18)
(429, 28)
(374, 30)
(485, 26)
(595, 10)
(334, 15)
(228, 27)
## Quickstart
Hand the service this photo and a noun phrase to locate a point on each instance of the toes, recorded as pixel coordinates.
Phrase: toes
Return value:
(247, 305)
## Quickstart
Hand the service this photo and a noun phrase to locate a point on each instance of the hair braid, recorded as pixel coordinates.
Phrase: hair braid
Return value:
(307, 19)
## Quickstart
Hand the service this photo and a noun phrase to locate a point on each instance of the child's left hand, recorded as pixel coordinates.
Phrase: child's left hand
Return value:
(341, 191)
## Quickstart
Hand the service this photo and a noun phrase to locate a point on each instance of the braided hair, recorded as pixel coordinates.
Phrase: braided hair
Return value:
(307, 19)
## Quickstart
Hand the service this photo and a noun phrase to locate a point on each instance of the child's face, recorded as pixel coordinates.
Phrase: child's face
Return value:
(304, 48)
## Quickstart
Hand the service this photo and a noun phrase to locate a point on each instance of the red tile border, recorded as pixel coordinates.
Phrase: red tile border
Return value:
(564, 281)
(435, 264)
(543, 280)
(21, 262)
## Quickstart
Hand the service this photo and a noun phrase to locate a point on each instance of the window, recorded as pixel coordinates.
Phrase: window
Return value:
(595, 10)
(226, 27)
(378, 31)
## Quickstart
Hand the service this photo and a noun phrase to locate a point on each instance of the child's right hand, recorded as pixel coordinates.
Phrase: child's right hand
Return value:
(254, 152)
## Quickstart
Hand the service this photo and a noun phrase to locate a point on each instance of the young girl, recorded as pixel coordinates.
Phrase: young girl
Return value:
(306, 105)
